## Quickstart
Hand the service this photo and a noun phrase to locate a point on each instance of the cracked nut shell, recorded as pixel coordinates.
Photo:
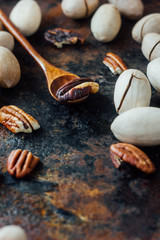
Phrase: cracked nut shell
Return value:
(123, 152)
(132, 89)
(21, 163)
(151, 46)
(147, 24)
(79, 8)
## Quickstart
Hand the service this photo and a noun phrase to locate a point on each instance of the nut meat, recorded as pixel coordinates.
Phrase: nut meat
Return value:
(77, 89)
(21, 163)
(59, 36)
(114, 63)
(123, 152)
(16, 120)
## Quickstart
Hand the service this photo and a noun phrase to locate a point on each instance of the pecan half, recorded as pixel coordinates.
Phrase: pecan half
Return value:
(124, 152)
(21, 163)
(114, 63)
(16, 120)
(76, 89)
(59, 36)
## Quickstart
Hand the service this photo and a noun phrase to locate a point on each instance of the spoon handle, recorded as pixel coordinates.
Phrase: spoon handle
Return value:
(23, 41)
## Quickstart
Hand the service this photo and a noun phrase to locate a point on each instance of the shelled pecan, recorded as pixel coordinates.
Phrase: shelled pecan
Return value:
(16, 120)
(21, 163)
(59, 36)
(124, 152)
(77, 89)
(114, 63)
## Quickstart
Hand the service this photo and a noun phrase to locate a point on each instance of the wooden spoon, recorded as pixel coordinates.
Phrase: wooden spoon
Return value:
(56, 77)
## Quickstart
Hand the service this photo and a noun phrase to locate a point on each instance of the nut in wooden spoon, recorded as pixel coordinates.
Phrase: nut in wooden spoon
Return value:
(56, 78)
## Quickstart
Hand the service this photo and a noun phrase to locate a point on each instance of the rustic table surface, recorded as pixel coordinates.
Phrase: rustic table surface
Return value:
(75, 193)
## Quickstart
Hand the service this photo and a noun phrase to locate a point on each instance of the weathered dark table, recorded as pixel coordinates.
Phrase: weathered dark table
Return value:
(75, 193)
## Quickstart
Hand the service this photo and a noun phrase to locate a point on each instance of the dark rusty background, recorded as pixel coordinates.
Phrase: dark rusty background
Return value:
(75, 193)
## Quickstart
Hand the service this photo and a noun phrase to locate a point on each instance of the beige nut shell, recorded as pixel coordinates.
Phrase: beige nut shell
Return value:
(138, 126)
(9, 69)
(132, 89)
(79, 8)
(153, 73)
(106, 23)
(132, 9)
(12, 232)
(149, 23)
(26, 16)
(151, 46)
(6, 40)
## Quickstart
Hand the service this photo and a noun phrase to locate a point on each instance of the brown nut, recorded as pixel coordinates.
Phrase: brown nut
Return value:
(77, 89)
(59, 36)
(16, 120)
(124, 152)
(21, 163)
(114, 63)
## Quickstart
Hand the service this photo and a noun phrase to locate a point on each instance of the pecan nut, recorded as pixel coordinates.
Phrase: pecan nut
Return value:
(21, 163)
(124, 152)
(59, 36)
(16, 120)
(114, 63)
(77, 89)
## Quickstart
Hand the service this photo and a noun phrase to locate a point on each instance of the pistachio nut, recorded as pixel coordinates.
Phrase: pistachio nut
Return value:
(129, 8)
(6, 40)
(106, 23)
(132, 90)
(79, 8)
(26, 16)
(151, 46)
(147, 24)
(153, 73)
(138, 126)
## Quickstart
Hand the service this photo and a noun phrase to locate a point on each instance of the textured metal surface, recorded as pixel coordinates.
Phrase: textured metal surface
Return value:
(75, 193)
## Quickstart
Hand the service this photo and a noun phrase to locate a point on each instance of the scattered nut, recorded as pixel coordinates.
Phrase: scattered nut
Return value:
(153, 73)
(26, 16)
(6, 40)
(79, 8)
(16, 120)
(129, 8)
(147, 24)
(59, 36)
(12, 232)
(138, 126)
(151, 46)
(106, 23)
(77, 89)
(132, 89)
(114, 63)
(123, 152)
(9, 68)
(21, 163)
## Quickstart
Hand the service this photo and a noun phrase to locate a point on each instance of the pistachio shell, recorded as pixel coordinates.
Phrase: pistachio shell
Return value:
(138, 126)
(9, 69)
(106, 23)
(26, 16)
(12, 232)
(129, 8)
(147, 24)
(151, 46)
(79, 8)
(153, 69)
(132, 89)
(6, 40)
